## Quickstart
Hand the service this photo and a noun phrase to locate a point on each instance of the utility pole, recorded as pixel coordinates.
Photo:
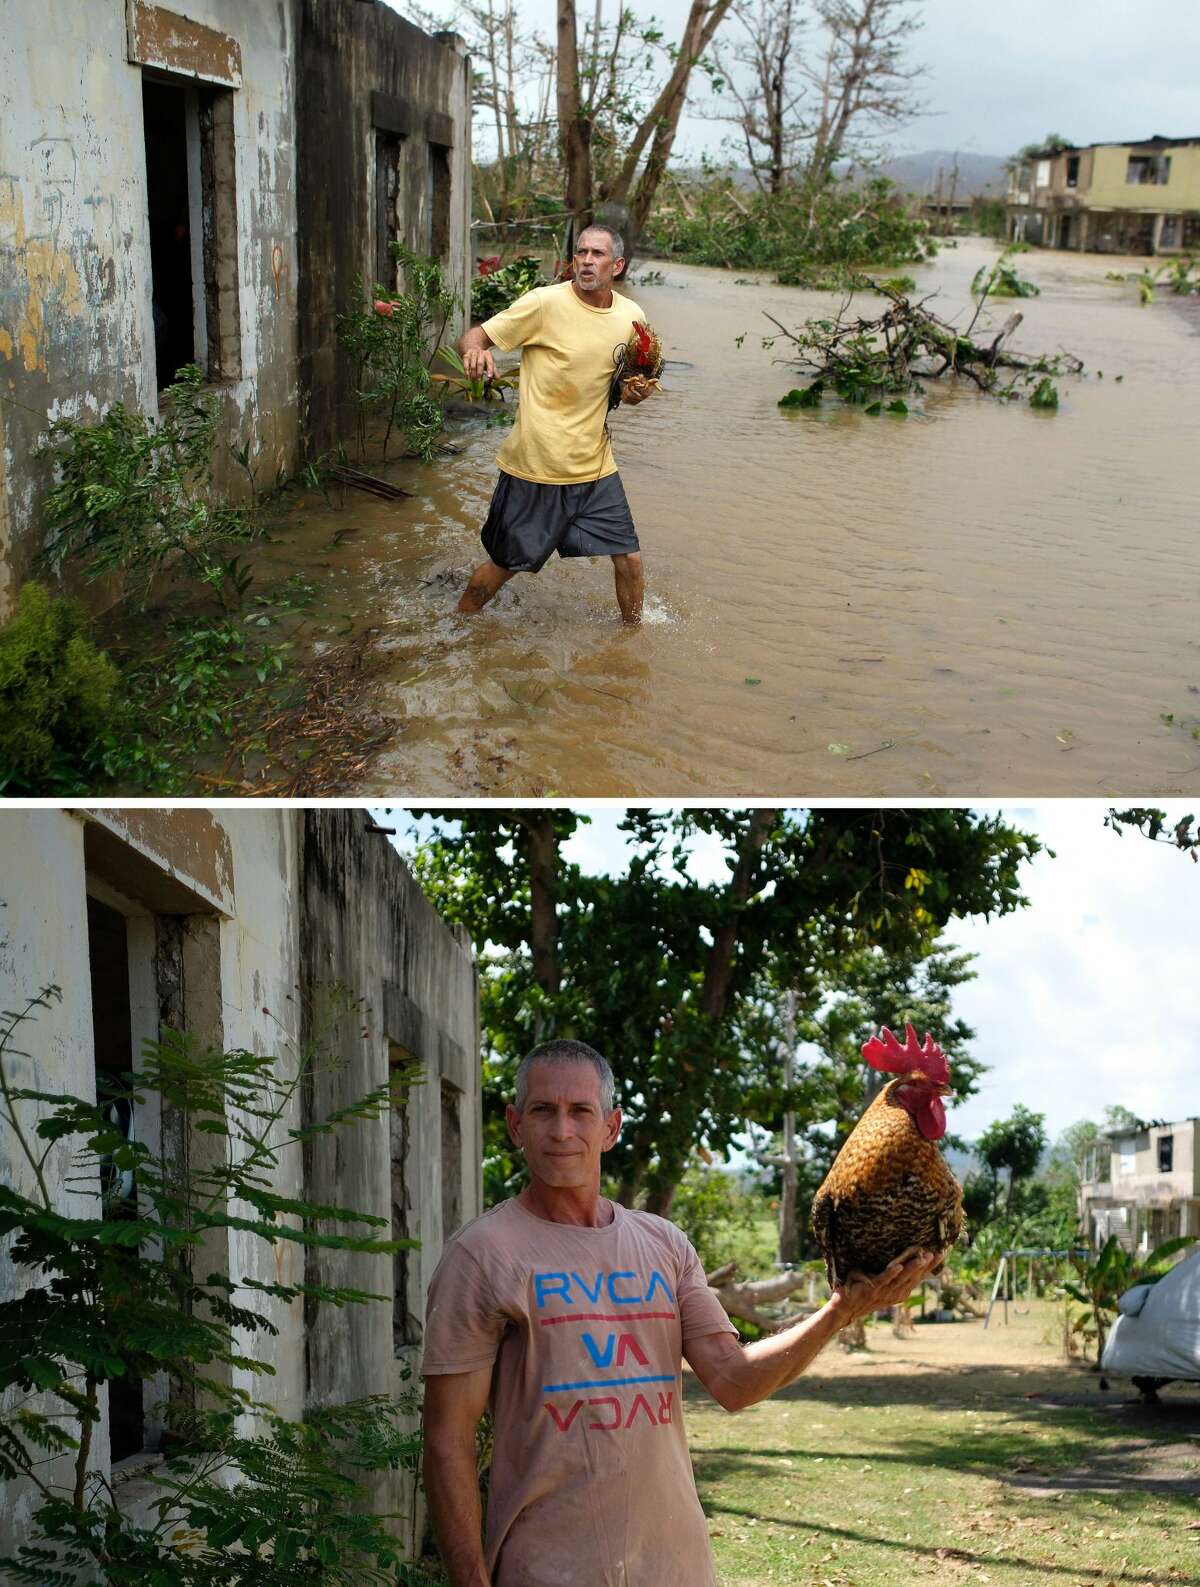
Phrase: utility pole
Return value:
(787, 1200)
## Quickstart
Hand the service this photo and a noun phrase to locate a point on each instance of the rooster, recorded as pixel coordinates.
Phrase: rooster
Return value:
(640, 359)
(889, 1192)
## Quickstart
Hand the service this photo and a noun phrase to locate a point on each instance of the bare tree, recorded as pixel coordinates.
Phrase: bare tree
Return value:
(581, 97)
(863, 85)
(760, 72)
(508, 62)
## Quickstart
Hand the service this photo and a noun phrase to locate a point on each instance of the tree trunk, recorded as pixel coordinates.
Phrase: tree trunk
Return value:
(659, 1200)
(695, 43)
(662, 119)
(575, 128)
(714, 994)
(787, 1201)
(541, 848)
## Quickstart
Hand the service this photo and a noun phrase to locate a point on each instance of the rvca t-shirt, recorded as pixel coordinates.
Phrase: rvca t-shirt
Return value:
(591, 1482)
(568, 359)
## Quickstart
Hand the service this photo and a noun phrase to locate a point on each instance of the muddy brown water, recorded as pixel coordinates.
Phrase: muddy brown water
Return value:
(978, 599)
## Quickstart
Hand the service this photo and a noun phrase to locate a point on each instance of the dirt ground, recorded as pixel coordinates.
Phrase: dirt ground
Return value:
(1029, 1348)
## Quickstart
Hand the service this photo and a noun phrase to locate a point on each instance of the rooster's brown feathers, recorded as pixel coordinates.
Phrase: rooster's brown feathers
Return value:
(889, 1189)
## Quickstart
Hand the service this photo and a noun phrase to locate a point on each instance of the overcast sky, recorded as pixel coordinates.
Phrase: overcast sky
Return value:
(1086, 997)
(1004, 74)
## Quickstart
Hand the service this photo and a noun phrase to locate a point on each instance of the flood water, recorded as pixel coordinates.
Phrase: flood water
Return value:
(978, 599)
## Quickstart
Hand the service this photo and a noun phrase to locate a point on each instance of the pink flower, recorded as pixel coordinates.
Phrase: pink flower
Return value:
(385, 308)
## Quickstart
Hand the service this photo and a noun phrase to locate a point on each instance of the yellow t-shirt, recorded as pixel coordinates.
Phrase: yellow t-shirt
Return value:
(567, 364)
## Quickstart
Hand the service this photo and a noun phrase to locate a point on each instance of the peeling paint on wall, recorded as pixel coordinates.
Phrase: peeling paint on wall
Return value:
(47, 283)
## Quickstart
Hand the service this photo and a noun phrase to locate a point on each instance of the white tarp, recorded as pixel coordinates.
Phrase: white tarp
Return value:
(1163, 1339)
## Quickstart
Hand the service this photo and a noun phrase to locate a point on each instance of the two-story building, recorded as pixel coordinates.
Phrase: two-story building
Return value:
(1132, 198)
(1143, 1185)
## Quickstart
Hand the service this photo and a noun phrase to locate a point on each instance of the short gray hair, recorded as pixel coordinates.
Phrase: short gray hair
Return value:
(618, 242)
(566, 1052)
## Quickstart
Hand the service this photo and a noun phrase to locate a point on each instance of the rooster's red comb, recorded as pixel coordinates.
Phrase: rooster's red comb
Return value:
(643, 336)
(886, 1052)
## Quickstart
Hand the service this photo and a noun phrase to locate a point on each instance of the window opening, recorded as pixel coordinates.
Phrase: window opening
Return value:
(168, 195)
(1148, 170)
(439, 201)
(192, 209)
(406, 1325)
(1072, 170)
(1166, 1153)
(452, 1167)
(112, 1039)
(387, 206)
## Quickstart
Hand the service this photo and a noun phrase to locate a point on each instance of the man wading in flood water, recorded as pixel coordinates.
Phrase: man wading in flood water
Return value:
(559, 489)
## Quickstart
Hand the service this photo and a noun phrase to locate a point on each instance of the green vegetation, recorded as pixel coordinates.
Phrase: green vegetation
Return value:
(950, 1456)
(839, 906)
(58, 695)
(495, 288)
(393, 338)
(1002, 281)
(115, 1296)
(802, 236)
(1182, 275)
(1105, 1278)
(134, 497)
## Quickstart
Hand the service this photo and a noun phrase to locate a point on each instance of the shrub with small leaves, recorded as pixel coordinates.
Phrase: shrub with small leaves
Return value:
(116, 1288)
(58, 695)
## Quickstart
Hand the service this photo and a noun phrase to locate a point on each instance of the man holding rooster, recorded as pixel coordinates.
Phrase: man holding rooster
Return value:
(559, 489)
(570, 1315)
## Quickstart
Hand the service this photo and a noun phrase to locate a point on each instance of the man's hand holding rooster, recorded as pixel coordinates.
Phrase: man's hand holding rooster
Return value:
(858, 1296)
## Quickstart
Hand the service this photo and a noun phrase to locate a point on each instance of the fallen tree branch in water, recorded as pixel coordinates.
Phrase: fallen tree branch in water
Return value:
(864, 360)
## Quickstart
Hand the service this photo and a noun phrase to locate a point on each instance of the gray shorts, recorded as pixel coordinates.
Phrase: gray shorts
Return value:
(527, 522)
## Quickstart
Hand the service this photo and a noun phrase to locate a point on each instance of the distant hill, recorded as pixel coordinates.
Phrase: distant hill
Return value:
(914, 173)
(977, 173)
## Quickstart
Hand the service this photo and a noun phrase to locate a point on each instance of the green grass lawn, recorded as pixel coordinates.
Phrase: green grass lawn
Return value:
(957, 1455)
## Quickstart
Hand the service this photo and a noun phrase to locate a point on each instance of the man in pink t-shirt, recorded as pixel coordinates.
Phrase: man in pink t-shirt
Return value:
(571, 1316)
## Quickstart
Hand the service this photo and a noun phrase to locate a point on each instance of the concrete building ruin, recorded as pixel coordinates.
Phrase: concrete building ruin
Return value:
(1143, 1185)
(267, 930)
(202, 182)
(1138, 198)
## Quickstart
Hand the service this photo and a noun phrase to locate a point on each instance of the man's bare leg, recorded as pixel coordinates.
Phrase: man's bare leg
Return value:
(631, 585)
(482, 585)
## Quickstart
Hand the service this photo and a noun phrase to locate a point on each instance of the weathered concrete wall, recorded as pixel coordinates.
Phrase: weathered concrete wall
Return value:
(362, 67)
(76, 319)
(241, 925)
(419, 1000)
(1110, 190)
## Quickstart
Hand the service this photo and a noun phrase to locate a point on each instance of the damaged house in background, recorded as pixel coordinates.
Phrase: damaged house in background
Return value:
(276, 931)
(1133, 198)
(203, 183)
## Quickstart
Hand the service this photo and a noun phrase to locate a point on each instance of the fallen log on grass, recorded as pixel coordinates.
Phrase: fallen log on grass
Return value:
(743, 1300)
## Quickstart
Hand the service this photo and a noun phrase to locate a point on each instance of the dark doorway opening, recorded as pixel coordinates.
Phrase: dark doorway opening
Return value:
(112, 1041)
(164, 108)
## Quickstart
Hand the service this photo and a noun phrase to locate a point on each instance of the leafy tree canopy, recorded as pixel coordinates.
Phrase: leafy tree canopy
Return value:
(669, 975)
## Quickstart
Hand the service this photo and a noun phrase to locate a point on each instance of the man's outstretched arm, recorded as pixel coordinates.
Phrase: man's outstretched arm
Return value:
(739, 1375)
(475, 347)
(454, 1405)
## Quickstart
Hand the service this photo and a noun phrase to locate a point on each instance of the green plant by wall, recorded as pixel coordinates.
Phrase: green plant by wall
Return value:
(493, 290)
(120, 1289)
(393, 339)
(133, 495)
(58, 697)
